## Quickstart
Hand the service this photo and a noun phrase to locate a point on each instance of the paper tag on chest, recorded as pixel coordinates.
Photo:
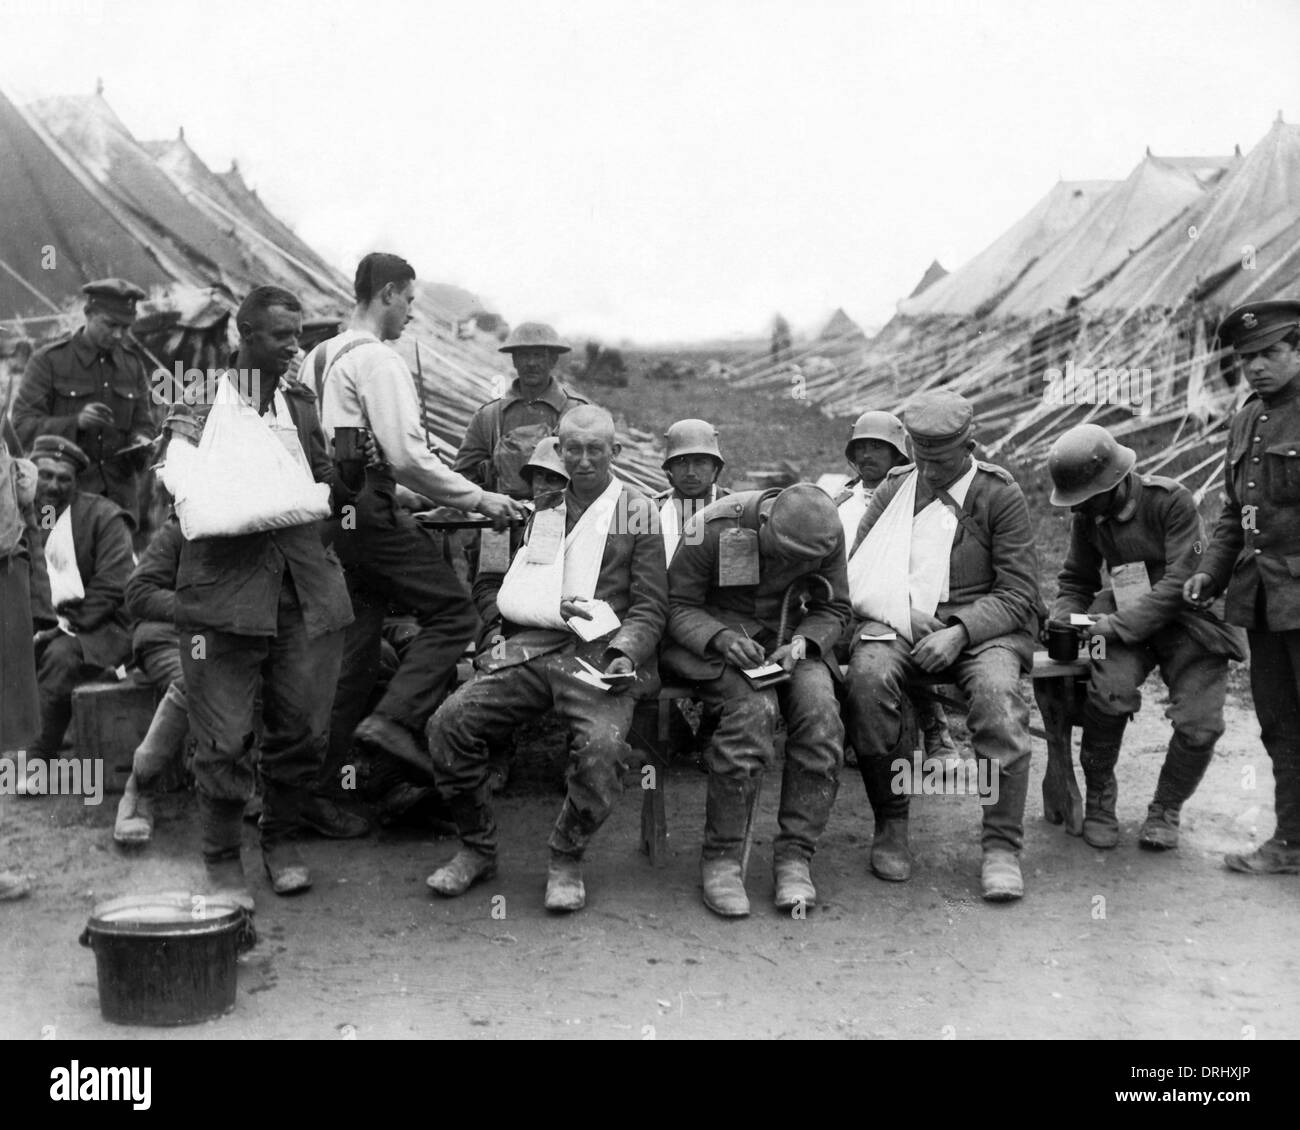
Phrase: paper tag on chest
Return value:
(494, 551)
(546, 538)
(737, 558)
(1130, 583)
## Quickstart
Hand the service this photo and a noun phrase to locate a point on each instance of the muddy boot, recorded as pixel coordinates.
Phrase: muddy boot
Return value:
(726, 813)
(891, 857)
(1185, 765)
(793, 883)
(477, 858)
(1273, 857)
(1160, 828)
(134, 823)
(221, 828)
(805, 809)
(564, 887)
(1000, 878)
(285, 867)
(1098, 753)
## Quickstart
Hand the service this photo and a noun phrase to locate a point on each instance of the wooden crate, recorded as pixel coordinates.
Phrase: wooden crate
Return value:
(109, 720)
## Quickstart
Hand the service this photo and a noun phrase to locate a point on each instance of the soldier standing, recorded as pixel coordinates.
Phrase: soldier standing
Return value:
(1255, 554)
(1143, 529)
(93, 388)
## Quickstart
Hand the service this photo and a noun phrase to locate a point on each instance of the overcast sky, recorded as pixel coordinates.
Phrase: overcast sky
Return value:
(669, 170)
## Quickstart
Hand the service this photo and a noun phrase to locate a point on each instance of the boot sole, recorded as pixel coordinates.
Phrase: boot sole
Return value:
(721, 913)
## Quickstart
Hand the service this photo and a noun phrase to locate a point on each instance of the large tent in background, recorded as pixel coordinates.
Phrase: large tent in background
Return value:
(1135, 285)
(1118, 223)
(975, 288)
(73, 177)
(58, 231)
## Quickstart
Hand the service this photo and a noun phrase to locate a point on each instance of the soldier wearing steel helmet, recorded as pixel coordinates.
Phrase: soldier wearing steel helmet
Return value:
(1254, 556)
(729, 582)
(692, 461)
(502, 435)
(1143, 529)
(92, 388)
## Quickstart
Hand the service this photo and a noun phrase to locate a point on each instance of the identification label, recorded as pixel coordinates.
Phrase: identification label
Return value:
(494, 551)
(1130, 583)
(737, 558)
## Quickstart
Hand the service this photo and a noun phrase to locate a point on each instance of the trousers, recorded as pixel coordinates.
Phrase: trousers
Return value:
(744, 746)
(1275, 685)
(390, 561)
(60, 668)
(483, 712)
(879, 673)
(296, 675)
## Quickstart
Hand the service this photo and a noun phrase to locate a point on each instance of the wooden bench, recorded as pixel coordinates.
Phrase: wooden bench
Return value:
(1055, 689)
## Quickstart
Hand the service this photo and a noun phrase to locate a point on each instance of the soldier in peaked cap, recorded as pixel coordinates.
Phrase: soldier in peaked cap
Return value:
(1254, 555)
(92, 388)
(944, 578)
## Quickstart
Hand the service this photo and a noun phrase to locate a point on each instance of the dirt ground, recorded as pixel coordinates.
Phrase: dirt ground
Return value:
(1108, 945)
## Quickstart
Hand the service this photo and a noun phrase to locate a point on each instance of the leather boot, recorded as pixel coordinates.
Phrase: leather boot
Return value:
(285, 867)
(221, 829)
(936, 740)
(726, 813)
(891, 857)
(564, 887)
(1000, 878)
(793, 883)
(1098, 752)
(1160, 828)
(164, 742)
(477, 858)
(805, 809)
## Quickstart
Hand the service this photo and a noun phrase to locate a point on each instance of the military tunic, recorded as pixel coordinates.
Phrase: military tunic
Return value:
(65, 376)
(1255, 553)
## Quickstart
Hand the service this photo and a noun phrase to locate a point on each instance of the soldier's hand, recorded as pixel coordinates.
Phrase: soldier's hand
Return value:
(939, 649)
(923, 625)
(1101, 626)
(737, 648)
(501, 509)
(1199, 590)
(789, 654)
(370, 445)
(185, 425)
(571, 606)
(620, 665)
(95, 415)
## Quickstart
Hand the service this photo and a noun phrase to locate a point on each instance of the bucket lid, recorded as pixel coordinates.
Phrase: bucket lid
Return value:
(166, 910)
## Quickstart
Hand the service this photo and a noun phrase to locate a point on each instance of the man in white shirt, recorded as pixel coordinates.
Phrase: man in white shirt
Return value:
(389, 560)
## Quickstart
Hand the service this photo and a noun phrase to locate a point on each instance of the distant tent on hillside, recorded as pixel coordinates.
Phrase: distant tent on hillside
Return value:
(842, 330)
(976, 287)
(933, 273)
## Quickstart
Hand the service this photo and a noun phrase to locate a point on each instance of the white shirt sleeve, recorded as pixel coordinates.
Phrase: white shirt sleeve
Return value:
(387, 395)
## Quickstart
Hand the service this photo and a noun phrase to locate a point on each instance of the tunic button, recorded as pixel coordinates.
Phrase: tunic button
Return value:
(1250, 484)
(1263, 419)
(1255, 459)
(1259, 551)
(1257, 439)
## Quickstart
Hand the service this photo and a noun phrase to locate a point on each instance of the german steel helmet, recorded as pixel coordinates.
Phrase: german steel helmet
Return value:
(1087, 461)
(691, 437)
(545, 457)
(878, 425)
(533, 334)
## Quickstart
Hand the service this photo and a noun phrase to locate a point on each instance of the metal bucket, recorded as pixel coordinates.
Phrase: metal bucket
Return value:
(167, 959)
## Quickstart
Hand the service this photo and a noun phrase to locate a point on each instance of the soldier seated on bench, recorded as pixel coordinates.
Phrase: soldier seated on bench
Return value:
(728, 586)
(87, 546)
(945, 578)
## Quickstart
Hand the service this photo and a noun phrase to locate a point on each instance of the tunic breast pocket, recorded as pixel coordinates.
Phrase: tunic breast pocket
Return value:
(122, 401)
(1283, 463)
(70, 396)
